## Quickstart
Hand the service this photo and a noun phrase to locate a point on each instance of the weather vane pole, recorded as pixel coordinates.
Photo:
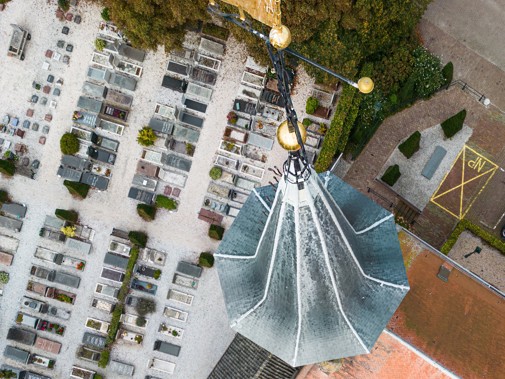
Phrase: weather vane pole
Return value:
(291, 134)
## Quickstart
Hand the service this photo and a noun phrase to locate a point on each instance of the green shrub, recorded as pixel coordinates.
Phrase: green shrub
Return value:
(100, 44)
(145, 306)
(104, 359)
(311, 105)
(215, 173)
(114, 323)
(146, 136)
(4, 277)
(453, 124)
(105, 14)
(475, 229)
(427, 72)
(146, 212)
(165, 202)
(157, 274)
(65, 215)
(4, 196)
(64, 5)
(215, 31)
(79, 190)
(141, 321)
(391, 175)
(69, 144)
(216, 232)
(307, 122)
(138, 238)
(97, 376)
(448, 72)
(206, 259)
(7, 167)
(410, 145)
(6, 373)
(406, 95)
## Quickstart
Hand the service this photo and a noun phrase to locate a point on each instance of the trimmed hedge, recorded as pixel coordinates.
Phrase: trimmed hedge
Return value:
(453, 124)
(7, 167)
(138, 238)
(104, 359)
(206, 259)
(4, 196)
(410, 145)
(475, 229)
(448, 72)
(216, 232)
(331, 139)
(79, 190)
(146, 212)
(65, 215)
(311, 105)
(391, 175)
(165, 202)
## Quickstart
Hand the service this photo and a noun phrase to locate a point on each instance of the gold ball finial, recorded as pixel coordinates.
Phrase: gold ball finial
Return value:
(280, 37)
(365, 85)
(287, 139)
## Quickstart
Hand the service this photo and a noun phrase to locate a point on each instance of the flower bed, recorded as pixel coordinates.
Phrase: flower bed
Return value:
(51, 327)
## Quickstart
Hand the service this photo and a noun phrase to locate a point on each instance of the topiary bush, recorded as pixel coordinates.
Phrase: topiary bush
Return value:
(4, 196)
(138, 238)
(206, 259)
(311, 105)
(69, 144)
(215, 173)
(448, 72)
(410, 145)
(146, 212)
(391, 175)
(65, 215)
(216, 232)
(76, 189)
(105, 14)
(7, 167)
(165, 202)
(453, 124)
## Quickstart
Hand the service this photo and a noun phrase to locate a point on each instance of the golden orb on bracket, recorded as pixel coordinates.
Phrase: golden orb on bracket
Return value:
(287, 139)
(280, 37)
(365, 85)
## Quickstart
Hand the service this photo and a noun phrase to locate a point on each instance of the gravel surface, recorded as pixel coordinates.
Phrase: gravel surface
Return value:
(181, 235)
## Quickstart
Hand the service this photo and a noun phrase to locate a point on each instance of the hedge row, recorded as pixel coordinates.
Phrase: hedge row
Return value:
(331, 139)
(453, 124)
(391, 175)
(475, 229)
(410, 145)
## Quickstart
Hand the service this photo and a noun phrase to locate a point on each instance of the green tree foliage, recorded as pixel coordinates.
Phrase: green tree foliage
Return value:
(7, 373)
(146, 212)
(145, 306)
(215, 173)
(206, 259)
(151, 23)
(64, 5)
(67, 215)
(4, 277)
(76, 189)
(391, 175)
(104, 359)
(7, 167)
(138, 238)
(165, 202)
(311, 105)
(410, 145)
(453, 124)
(146, 136)
(69, 144)
(427, 74)
(216, 232)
